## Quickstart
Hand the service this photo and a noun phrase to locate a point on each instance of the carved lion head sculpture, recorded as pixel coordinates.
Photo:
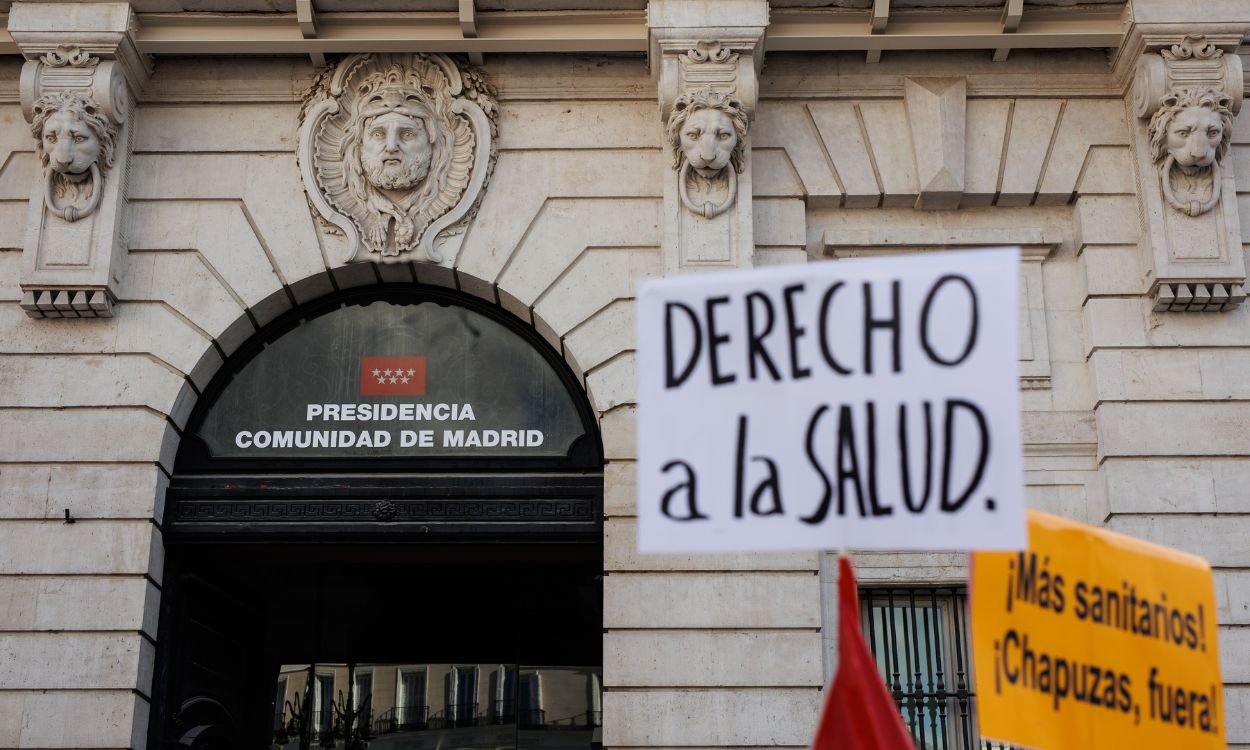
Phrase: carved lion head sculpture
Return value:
(1194, 126)
(1189, 135)
(708, 131)
(74, 141)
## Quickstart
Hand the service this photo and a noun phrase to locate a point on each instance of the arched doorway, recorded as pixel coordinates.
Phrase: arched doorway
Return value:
(384, 530)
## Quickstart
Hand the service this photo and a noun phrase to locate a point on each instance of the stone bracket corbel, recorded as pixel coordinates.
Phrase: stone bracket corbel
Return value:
(79, 81)
(706, 58)
(1186, 90)
(727, 65)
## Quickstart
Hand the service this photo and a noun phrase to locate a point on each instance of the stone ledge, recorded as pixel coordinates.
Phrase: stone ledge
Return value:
(712, 717)
(42, 604)
(73, 719)
(717, 659)
(1199, 296)
(711, 600)
(76, 661)
(68, 303)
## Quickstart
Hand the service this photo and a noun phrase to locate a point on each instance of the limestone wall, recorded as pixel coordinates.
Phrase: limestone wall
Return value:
(1133, 418)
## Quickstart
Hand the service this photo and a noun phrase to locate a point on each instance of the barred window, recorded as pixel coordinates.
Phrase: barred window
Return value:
(919, 638)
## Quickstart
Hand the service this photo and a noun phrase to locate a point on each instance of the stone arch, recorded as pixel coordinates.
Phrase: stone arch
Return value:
(573, 483)
(348, 277)
(614, 420)
(205, 271)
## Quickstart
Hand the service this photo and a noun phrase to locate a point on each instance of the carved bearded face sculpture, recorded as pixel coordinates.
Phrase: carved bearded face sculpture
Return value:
(708, 141)
(396, 151)
(70, 145)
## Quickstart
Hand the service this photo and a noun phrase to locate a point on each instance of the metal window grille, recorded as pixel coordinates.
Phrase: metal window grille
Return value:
(919, 638)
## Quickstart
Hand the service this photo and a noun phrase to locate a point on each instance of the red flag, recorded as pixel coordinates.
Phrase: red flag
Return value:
(392, 376)
(859, 713)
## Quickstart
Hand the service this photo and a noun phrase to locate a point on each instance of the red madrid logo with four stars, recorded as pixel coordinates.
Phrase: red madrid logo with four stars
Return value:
(392, 376)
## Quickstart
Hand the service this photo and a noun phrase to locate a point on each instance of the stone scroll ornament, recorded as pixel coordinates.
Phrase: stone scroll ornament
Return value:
(396, 150)
(74, 140)
(707, 131)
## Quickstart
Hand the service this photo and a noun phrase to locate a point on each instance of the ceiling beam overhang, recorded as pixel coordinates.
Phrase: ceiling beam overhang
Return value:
(468, 27)
(928, 30)
(877, 25)
(310, 33)
(306, 18)
(195, 33)
(468, 19)
(1013, 13)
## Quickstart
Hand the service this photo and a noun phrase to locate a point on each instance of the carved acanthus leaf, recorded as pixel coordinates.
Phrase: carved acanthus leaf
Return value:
(713, 52)
(1193, 46)
(69, 56)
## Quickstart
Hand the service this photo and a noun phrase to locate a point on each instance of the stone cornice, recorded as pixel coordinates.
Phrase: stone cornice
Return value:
(607, 31)
(965, 31)
(946, 29)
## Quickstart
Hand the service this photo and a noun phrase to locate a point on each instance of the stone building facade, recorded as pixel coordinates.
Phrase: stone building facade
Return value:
(217, 203)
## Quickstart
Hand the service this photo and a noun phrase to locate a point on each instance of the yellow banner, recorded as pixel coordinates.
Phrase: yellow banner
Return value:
(1095, 639)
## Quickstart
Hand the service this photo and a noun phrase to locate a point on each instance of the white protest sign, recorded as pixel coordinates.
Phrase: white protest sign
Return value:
(869, 404)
